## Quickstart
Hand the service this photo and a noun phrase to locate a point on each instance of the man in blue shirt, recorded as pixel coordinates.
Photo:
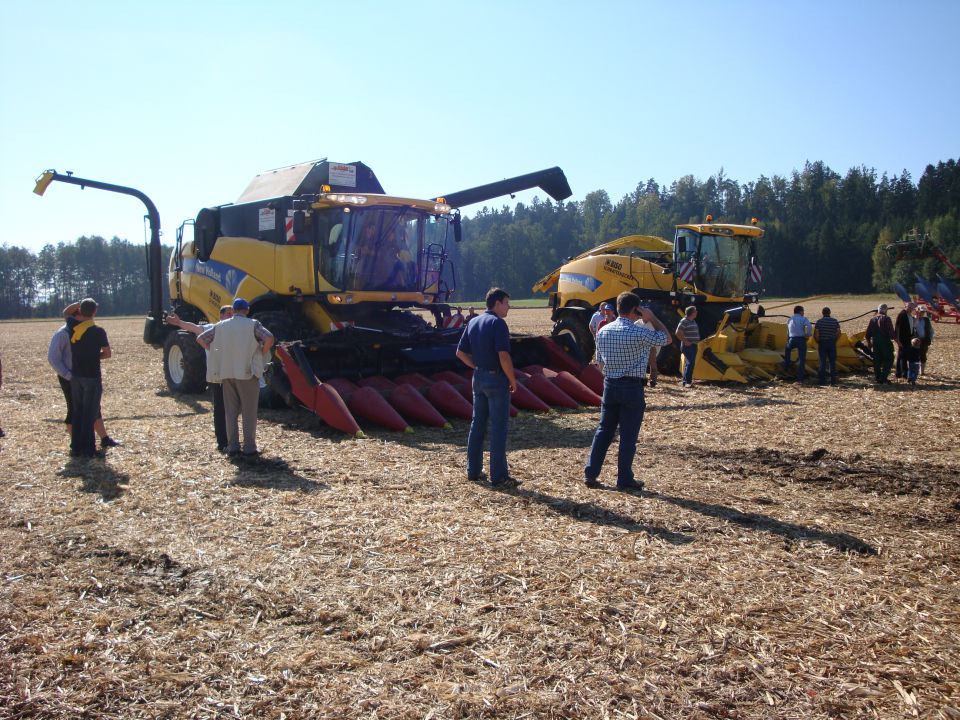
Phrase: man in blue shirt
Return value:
(623, 347)
(798, 330)
(485, 347)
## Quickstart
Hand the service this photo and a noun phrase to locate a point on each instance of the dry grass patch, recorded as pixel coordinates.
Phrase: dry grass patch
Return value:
(796, 557)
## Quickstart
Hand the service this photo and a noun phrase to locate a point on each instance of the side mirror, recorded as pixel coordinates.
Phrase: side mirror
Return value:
(457, 230)
(299, 222)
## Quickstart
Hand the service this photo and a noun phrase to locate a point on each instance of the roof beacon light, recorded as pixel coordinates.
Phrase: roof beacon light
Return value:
(754, 221)
(709, 218)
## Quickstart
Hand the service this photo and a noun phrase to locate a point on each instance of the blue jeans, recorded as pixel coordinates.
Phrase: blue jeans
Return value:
(800, 343)
(85, 394)
(828, 356)
(623, 406)
(690, 355)
(491, 402)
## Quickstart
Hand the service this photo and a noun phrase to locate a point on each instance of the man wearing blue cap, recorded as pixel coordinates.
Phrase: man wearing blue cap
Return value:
(234, 346)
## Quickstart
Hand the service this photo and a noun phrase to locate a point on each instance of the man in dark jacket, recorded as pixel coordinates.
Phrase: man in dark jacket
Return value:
(880, 339)
(904, 330)
(88, 346)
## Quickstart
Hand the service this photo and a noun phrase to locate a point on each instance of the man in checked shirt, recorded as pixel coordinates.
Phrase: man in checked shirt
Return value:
(623, 348)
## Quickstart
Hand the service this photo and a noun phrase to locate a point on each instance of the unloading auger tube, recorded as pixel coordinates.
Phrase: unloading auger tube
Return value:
(154, 331)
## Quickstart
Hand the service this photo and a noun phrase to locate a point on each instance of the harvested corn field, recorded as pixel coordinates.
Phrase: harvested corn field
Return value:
(795, 556)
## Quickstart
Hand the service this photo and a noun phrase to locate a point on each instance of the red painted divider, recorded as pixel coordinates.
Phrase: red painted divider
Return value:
(321, 399)
(369, 404)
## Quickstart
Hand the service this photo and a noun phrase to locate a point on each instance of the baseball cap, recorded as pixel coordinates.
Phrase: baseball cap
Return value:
(241, 304)
(606, 306)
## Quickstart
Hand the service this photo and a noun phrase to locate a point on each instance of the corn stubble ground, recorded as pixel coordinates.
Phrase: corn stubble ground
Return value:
(796, 556)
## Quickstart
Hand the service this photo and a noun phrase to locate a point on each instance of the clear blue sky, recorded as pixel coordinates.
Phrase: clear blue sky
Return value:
(187, 101)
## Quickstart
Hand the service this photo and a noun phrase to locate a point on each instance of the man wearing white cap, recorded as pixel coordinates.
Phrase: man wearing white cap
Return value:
(880, 338)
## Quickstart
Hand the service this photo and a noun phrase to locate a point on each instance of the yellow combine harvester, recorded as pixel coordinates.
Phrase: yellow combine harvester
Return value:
(348, 279)
(710, 265)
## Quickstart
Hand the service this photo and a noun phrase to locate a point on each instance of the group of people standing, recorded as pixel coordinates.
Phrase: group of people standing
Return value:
(237, 349)
(911, 334)
(826, 331)
(625, 342)
(75, 352)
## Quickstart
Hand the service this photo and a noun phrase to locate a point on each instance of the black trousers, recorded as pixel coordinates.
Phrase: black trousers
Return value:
(68, 396)
(85, 394)
(219, 416)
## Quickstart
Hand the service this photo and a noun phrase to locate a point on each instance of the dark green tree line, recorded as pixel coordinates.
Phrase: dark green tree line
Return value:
(40, 285)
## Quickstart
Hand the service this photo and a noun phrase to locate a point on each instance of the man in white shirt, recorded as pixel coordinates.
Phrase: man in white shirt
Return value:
(798, 330)
(232, 344)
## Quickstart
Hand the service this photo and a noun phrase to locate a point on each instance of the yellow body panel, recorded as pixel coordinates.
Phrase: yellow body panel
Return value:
(318, 316)
(242, 267)
(754, 350)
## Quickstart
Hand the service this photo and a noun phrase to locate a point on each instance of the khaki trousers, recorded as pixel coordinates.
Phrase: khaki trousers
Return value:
(240, 399)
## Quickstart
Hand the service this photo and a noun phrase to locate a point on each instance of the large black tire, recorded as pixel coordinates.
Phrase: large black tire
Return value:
(668, 359)
(574, 327)
(184, 363)
(275, 389)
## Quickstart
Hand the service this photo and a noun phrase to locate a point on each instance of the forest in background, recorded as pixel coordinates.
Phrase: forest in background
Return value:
(825, 233)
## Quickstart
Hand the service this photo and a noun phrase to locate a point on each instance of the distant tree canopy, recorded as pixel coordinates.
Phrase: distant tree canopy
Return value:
(825, 234)
(40, 285)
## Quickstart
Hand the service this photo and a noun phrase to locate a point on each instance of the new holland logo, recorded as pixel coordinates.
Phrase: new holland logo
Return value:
(587, 281)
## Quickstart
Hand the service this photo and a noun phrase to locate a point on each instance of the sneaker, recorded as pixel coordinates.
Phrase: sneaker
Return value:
(107, 441)
(507, 483)
(631, 486)
(592, 483)
(653, 382)
(476, 478)
(251, 456)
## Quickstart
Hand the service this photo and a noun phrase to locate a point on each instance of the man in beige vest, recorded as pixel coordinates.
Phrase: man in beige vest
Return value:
(237, 350)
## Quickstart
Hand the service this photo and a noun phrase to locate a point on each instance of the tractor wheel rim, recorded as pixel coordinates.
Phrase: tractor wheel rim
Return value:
(175, 364)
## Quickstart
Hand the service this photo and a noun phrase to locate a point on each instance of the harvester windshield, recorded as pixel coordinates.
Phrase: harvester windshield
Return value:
(722, 262)
(381, 248)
